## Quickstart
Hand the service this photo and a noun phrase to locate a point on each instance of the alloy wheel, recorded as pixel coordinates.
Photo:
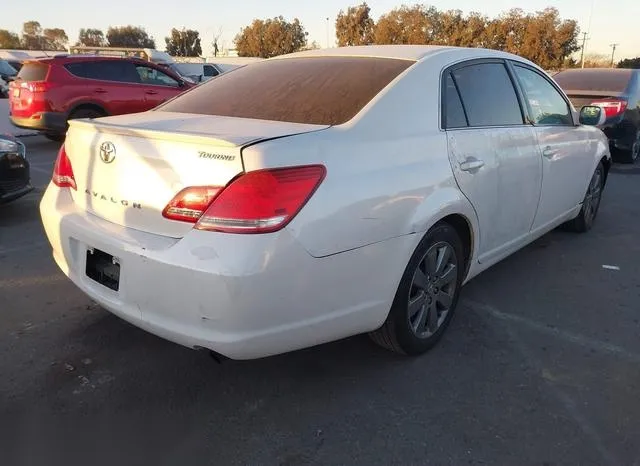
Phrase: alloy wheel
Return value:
(432, 289)
(592, 199)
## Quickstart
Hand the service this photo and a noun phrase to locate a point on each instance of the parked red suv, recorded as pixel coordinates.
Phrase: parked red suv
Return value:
(49, 92)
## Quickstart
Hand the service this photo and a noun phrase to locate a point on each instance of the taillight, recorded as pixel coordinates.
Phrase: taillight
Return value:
(62, 171)
(262, 201)
(38, 86)
(190, 203)
(612, 107)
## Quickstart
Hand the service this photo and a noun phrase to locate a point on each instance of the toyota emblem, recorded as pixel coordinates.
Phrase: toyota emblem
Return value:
(107, 152)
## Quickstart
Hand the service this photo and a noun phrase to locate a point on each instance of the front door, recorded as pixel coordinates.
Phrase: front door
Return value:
(158, 86)
(566, 164)
(493, 153)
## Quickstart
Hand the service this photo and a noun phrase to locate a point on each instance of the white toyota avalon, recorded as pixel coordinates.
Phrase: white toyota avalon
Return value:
(322, 194)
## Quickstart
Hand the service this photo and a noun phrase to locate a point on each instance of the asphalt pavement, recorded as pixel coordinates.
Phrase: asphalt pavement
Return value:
(541, 366)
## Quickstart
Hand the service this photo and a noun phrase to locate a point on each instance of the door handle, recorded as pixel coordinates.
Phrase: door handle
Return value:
(549, 152)
(471, 164)
(99, 90)
(150, 91)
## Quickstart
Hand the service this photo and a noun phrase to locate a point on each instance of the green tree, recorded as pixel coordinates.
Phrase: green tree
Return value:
(9, 40)
(55, 39)
(271, 37)
(408, 25)
(129, 36)
(355, 27)
(183, 43)
(91, 38)
(32, 38)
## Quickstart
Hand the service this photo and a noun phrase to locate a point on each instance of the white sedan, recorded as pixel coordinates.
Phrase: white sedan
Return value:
(322, 194)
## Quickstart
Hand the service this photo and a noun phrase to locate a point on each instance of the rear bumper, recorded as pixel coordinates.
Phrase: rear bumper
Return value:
(48, 122)
(243, 296)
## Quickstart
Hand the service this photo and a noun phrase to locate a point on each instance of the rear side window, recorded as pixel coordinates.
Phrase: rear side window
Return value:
(453, 110)
(210, 71)
(604, 80)
(108, 70)
(33, 72)
(488, 95)
(315, 90)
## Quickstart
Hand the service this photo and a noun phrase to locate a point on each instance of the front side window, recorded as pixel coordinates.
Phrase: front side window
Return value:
(546, 104)
(155, 77)
(488, 95)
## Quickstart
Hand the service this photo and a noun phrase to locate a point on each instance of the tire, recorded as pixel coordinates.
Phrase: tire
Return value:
(54, 137)
(590, 204)
(629, 156)
(86, 113)
(77, 114)
(411, 327)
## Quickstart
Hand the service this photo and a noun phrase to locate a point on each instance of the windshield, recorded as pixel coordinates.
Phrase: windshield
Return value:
(607, 80)
(7, 69)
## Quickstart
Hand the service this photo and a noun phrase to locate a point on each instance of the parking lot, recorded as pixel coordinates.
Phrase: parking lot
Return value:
(541, 366)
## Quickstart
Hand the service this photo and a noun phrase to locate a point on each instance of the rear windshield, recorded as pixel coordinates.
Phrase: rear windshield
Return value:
(610, 80)
(33, 72)
(314, 90)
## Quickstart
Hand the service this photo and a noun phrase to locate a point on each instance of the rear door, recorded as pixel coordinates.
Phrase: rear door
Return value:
(494, 154)
(158, 86)
(564, 146)
(113, 83)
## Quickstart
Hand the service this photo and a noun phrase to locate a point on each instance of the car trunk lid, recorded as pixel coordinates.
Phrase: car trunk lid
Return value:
(128, 168)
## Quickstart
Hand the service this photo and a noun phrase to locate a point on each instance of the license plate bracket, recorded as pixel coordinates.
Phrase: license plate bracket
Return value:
(103, 268)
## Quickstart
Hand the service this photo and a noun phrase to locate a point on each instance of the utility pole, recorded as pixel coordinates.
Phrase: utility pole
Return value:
(584, 43)
(613, 52)
(328, 32)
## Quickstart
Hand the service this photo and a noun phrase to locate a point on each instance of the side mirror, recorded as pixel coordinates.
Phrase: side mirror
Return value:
(592, 115)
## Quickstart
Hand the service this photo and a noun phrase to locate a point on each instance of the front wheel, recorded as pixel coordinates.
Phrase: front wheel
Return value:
(591, 203)
(427, 295)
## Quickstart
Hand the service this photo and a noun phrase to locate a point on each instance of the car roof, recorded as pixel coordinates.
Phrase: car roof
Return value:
(404, 52)
(83, 58)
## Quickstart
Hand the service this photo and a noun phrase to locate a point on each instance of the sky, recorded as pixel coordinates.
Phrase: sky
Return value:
(613, 21)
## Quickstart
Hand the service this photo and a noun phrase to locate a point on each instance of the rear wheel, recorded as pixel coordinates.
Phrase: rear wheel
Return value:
(86, 113)
(75, 115)
(591, 203)
(427, 295)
